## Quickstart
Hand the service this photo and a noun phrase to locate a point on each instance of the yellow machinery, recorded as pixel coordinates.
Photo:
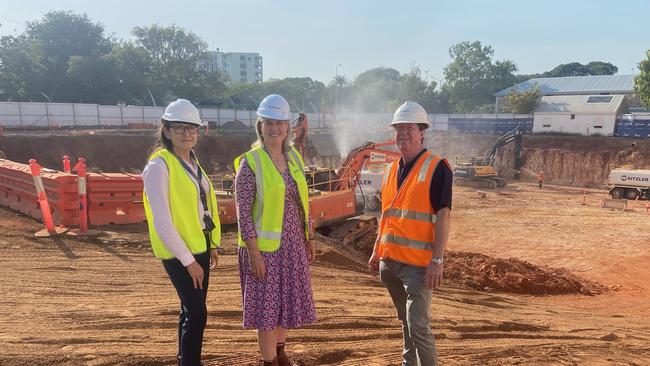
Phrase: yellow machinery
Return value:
(478, 171)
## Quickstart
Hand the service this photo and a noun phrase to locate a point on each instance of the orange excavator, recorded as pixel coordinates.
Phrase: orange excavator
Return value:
(332, 201)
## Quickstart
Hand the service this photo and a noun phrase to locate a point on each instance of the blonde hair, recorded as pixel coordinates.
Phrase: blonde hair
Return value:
(287, 143)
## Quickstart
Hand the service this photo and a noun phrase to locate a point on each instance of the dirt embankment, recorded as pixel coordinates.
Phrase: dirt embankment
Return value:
(565, 160)
(119, 152)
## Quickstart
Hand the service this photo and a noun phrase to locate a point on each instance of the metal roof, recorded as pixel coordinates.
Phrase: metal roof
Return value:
(594, 84)
(580, 104)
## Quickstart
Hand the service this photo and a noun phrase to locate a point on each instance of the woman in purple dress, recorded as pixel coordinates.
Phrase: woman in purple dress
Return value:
(275, 246)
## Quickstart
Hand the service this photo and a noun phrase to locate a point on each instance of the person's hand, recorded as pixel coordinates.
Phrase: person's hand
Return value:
(196, 272)
(373, 263)
(214, 259)
(257, 263)
(433, 276)
(311, 251)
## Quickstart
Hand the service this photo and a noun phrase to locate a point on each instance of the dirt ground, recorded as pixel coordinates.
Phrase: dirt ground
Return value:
(107, 301)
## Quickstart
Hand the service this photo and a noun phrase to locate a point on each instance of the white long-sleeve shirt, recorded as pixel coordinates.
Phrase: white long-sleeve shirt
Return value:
(156, 185)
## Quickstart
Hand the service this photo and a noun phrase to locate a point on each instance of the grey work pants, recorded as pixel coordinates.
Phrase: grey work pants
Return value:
(405, 284)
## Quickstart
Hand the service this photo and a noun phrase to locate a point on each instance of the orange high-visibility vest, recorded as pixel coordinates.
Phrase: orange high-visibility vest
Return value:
(408, 222)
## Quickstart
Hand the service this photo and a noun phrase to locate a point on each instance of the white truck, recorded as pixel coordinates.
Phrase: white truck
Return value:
(630, 184)
(368, 190)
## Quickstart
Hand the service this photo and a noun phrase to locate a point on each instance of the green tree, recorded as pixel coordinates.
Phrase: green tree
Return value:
(419, 90)
(97, 76)
(175, 54)
(578, 69)
(374, 90)
(472, 77)
(20, 70)
(302, 93)
(57, 37)
(523, 102)
(642, 81)
(601, 68)
(134, 73)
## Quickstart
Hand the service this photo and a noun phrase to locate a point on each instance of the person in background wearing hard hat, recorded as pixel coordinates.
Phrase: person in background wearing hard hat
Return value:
(274, 234)
(181, 209)
(540, 178)
(413, 231)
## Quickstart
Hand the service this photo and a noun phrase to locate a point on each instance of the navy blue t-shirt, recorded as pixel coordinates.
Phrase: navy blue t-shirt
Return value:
(440, 189)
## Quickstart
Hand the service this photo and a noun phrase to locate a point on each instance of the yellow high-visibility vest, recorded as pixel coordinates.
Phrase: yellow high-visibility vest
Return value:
(268, 206)
(183, 198)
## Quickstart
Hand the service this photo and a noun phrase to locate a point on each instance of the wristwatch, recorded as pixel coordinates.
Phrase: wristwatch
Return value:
(438, 260)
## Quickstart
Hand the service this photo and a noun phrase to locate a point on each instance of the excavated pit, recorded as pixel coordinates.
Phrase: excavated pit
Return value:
(565, 160)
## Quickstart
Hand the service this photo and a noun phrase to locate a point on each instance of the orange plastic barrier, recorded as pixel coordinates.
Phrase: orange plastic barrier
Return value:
(17, 191)
(115, 198)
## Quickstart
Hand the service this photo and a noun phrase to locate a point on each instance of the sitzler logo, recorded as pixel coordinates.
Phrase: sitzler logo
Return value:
(636, 179)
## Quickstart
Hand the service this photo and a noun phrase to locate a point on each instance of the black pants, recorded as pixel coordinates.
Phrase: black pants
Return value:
(194, 313)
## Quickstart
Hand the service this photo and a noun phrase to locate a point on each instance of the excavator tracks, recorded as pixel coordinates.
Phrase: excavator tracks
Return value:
(489, 182)
(352, 229)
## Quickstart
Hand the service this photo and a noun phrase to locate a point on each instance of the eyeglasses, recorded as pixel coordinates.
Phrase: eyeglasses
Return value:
(180, 130)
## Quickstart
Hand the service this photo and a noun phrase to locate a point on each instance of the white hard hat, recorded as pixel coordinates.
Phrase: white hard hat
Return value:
(274, 107)
(410, 112)
(182, 110)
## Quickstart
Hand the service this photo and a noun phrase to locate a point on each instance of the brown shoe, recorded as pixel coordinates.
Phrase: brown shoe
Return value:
(269, 363)
(285, 361)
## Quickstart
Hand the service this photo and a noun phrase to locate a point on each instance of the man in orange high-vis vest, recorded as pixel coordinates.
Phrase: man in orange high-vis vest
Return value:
(413, 231)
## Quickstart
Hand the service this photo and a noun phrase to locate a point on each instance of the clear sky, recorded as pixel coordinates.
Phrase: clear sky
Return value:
(310, 38)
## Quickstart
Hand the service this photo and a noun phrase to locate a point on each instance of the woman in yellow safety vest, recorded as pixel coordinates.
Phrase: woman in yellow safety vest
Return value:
(275, 240)
(182, 215)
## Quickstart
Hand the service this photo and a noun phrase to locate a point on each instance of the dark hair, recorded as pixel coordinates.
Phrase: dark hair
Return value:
(162, 142)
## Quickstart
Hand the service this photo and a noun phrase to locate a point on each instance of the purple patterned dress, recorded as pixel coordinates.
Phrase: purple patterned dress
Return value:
(284, 298)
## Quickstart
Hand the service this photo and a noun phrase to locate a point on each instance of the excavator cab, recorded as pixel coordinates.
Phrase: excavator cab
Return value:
(478, 172)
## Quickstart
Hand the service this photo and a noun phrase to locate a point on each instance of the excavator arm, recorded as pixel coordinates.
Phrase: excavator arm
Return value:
(299, 127)
(355, 160)
(513, 135)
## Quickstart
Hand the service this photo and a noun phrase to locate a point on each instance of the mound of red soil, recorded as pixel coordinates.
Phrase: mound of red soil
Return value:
(486, 273)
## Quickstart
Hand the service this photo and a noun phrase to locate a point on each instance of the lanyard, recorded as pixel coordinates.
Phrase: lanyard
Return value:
(198, 178)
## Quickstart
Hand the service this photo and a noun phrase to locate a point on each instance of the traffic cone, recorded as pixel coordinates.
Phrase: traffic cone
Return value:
(50, 229)
(83, 230)
(66, 164)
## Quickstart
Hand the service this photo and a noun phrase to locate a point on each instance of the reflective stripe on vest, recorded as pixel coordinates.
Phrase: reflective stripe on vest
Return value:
(268, 208)
(425, 167)
(408, 214)
(415, 244)
(183, 207)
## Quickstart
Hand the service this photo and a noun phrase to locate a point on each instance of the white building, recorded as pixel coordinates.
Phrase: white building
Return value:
(240, 67)
(581, 114)
(578, 85)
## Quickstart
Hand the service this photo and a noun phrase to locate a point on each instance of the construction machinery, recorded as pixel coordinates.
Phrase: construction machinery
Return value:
(332, 201)
(629, 184)
(336, 212)
(479, 172)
